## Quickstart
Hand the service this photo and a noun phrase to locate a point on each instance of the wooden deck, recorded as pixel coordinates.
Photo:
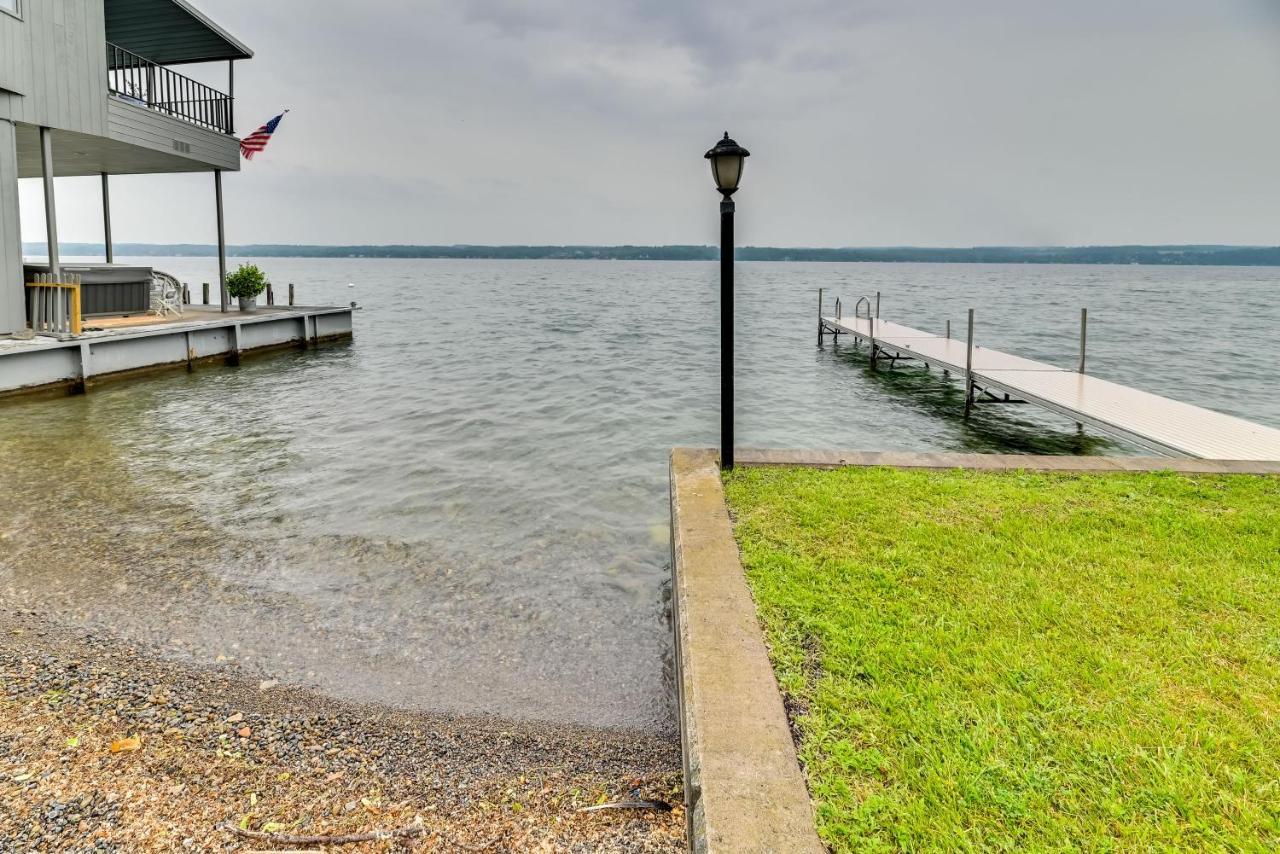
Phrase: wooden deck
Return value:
(1165, 425)
(190, 314)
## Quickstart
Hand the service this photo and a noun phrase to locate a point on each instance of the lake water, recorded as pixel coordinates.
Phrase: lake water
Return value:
(465, 508)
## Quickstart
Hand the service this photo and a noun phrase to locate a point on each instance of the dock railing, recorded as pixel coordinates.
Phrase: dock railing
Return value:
(54, 306)
(140, 81)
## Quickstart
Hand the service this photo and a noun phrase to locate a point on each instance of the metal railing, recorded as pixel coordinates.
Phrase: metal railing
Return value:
(54, 306)
(140, 81)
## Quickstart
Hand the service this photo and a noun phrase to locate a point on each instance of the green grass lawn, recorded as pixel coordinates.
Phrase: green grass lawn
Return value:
(1017, 661)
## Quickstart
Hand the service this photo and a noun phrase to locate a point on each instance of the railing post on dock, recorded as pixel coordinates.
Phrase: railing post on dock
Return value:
(205, 289)
(186, 294)
(291, 293)
(271, 294)
(877, 304)
(947, 338)
(820, 290)
(1084, 328)
(968, 369)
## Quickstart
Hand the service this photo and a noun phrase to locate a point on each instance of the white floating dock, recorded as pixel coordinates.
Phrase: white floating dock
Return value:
(1165, 425)
(126, 346)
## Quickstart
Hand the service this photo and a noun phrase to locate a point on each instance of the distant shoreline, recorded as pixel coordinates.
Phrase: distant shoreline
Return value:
(1183, 255)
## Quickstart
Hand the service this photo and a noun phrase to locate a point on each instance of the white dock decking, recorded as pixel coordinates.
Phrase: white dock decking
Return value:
(1165, 425)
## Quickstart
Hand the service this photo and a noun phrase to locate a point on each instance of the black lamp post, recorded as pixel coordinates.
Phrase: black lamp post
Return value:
(726, 167)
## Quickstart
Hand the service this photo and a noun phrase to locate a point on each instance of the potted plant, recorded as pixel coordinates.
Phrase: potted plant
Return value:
(245, 283)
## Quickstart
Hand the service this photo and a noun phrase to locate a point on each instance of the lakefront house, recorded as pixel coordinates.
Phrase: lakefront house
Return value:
(93, 88)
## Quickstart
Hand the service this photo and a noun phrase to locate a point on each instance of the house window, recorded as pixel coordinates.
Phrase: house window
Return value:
(10, 6)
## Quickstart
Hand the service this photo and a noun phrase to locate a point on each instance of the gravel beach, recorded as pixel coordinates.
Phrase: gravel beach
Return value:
(106, 746)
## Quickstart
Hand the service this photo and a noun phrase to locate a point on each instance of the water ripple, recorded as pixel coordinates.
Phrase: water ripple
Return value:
(464, 509)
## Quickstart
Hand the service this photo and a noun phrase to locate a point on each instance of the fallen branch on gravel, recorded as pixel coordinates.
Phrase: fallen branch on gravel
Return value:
(321, 839)
(629, 805)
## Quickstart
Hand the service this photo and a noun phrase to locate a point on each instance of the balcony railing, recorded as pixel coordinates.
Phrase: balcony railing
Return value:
(141, 81)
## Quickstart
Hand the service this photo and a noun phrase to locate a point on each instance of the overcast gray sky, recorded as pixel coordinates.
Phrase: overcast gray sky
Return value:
(925, 122)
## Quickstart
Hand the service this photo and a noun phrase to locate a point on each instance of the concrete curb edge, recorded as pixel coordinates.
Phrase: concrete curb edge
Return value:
(744, 790)
(995, 462)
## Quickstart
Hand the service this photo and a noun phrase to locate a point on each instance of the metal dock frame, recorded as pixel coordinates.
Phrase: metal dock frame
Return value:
(990, 376)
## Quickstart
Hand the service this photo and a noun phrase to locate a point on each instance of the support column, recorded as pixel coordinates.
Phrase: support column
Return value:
(13, 312)
(222, 240)
(106, 219)
(231, 97)
(50, 206)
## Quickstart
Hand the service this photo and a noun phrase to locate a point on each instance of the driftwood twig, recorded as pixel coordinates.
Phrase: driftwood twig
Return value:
(628, 805)
(322, 839)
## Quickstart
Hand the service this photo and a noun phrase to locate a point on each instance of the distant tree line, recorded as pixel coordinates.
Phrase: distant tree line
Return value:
(1207, 255)
(273, 250)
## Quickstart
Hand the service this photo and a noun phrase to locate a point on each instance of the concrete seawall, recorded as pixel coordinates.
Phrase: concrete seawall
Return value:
(995, 462)
(743, 787)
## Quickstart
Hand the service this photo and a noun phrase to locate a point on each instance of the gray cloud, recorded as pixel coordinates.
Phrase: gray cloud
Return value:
(918, 121)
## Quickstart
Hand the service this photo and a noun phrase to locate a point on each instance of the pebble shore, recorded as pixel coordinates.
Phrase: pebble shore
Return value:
(108, 747)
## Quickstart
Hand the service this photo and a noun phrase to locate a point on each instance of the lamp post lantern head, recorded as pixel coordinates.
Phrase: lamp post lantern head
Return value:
(726, 164)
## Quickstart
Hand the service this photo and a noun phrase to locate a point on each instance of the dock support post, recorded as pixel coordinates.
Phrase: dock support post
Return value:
(233, 358)
(871, 325)
(820, 290)
(1084, 328)
(191, 353)
(81, 385)
(968, 369)
(291, 293)
(205, 289)
(222, 240)
(106, 219)
(50, 205)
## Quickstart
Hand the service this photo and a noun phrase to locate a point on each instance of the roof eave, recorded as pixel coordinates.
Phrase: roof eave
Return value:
(239, 47)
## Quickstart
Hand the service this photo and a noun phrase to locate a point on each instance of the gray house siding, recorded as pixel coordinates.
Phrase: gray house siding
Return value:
(55, 58)
(12, 311)
(53, 73)
(139, 126)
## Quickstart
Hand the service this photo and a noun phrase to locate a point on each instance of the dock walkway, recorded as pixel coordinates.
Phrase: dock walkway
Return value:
(1165, 425)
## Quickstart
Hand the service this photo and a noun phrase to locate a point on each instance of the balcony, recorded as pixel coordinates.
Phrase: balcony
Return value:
(139, 81)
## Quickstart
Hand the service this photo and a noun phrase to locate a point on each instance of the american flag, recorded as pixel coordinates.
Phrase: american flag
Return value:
(256, 141)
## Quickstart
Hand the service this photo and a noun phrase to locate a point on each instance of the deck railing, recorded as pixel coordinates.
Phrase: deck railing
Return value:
(54, 306)
(140, 81)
